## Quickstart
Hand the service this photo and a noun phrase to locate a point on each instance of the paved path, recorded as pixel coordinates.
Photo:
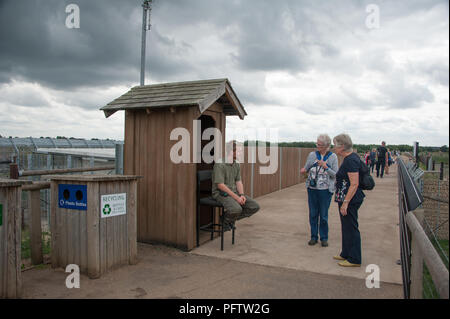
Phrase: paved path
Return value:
(271, 259)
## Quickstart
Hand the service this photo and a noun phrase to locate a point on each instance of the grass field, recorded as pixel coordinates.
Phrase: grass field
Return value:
(26, 244)
(429, 290)
(439, 157)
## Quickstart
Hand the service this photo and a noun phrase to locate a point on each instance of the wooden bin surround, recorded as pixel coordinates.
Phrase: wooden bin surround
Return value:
(83, 237)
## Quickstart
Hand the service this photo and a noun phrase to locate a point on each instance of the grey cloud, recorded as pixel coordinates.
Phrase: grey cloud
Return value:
(105, 50)
(22, 97)
(286, 36)
(401, 95)
(438, 71)
(289, 35)
(377, 60)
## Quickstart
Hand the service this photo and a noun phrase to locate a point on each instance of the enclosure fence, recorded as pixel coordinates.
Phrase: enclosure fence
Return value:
(416, 248)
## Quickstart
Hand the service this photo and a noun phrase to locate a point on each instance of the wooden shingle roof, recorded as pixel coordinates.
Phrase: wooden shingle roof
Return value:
(193, 93)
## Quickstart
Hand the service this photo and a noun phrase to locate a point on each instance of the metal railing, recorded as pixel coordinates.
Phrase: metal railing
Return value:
(415, 247)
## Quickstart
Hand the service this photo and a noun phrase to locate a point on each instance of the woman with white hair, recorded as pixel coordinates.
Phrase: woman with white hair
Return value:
(322, 166)
(349, 198)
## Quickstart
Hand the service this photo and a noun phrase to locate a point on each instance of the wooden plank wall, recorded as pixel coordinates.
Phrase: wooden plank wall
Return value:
(166, 194)
(10, 243)
(292, 159)
(290, 164)
(246, 172)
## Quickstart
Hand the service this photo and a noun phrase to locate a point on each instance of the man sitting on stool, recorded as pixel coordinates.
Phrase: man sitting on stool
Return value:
(227, 188)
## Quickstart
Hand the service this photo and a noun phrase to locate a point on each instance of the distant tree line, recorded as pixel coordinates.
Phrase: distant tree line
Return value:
(362, 148)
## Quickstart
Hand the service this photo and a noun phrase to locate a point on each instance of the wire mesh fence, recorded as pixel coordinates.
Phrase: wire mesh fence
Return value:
(434, 187)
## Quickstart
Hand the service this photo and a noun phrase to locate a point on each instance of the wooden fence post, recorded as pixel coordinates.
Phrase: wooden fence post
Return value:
(280, 164)
(416, 270)
(34, 205)
(299, 164)
(13, 171)
(416, 291)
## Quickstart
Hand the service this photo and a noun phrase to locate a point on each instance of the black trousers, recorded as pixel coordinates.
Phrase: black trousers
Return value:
(381, 164)
(351, 238)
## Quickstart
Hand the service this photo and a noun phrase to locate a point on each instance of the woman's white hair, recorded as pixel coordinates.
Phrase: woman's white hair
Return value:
(325, 139)
(345, 141)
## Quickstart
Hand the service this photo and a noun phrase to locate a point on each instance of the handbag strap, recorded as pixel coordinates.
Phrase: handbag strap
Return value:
(325, 158)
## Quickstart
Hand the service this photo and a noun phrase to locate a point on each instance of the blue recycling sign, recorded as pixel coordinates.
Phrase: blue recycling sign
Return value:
(72, 196)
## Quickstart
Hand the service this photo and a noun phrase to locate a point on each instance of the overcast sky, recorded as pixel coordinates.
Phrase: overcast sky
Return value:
(302, 67)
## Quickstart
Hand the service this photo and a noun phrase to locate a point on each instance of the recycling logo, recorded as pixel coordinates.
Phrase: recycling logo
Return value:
(106, 209)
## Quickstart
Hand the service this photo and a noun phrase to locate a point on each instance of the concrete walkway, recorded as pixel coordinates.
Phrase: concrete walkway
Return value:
(278, 234)
(271, 259)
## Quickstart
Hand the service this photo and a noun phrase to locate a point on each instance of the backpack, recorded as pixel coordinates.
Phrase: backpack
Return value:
(366, 181)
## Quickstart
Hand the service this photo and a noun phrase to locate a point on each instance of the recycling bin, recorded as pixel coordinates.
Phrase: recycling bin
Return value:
(93, 222)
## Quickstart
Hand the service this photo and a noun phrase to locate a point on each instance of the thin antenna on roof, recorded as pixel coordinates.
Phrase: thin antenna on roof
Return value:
(146, 12)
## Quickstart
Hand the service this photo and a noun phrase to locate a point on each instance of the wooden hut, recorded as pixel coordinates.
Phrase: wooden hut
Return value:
(167, 192)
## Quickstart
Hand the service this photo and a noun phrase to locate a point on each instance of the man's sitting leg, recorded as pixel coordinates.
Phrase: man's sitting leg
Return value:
(250, 207)
(231, 211)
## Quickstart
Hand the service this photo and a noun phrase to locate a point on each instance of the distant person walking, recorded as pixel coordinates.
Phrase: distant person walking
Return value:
(322, 166)
(367, 158)
(389, 160)
(373, 159)
(349, 198)
(382, 159)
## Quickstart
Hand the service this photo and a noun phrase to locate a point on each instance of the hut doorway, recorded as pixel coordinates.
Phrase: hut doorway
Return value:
(206, 122)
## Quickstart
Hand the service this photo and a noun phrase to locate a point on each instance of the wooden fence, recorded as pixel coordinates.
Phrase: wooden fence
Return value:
(290, 161)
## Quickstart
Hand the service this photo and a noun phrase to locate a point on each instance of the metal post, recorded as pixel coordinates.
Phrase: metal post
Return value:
(14, 145)
(441, 175)
(146, 6)
(30, 163)
(417, 154)
(119, 159)
(34, 144)
(49, 161)
(47, 191)
(251, 153)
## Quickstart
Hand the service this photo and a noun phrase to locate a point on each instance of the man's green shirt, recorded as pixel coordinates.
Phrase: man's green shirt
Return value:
(225, 173)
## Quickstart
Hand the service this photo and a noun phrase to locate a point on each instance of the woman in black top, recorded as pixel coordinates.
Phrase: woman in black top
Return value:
(349, 198)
